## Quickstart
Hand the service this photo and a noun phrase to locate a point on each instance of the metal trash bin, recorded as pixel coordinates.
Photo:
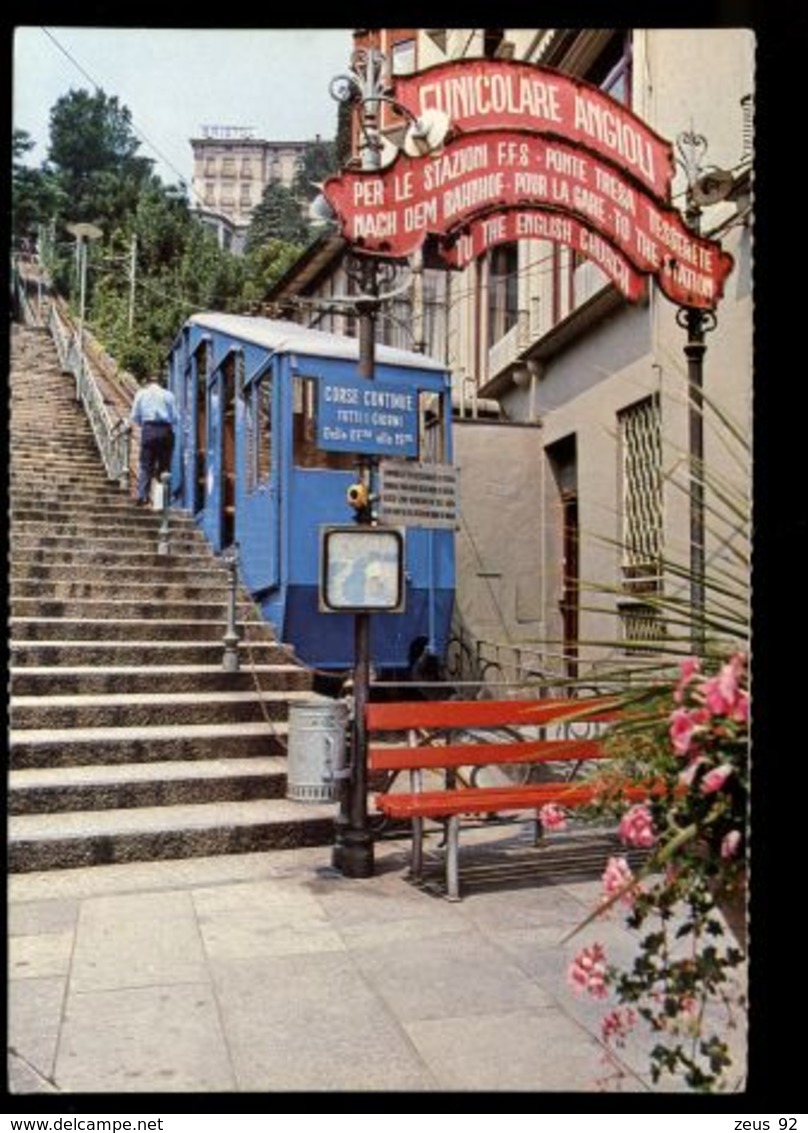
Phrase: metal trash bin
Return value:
(316, 753)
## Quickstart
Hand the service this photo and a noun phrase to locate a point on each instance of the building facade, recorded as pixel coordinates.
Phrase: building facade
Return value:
(575, 434)
(231, 170)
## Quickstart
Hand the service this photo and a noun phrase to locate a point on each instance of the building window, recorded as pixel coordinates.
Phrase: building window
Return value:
(492, 40)
(246, 168)
(642, 627)
(640, 438)
(580, 278)
(228, 167)
(403, 57)
(210, 193)
(503, 279)
(611, 71)
(210, 166)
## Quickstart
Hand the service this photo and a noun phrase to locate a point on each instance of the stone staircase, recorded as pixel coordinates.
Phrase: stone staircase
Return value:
(129, 741)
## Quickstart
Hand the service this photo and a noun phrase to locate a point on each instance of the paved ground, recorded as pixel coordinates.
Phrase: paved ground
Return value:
(272, 972)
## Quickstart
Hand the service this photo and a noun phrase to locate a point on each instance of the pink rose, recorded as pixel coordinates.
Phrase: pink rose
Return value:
(722, 693)
(685, 724)
(552, 817)
(688, 669)
(741, 709)
(617, 1024)
(616, 875)
(715, 779)
(730, 844)
(687, 776)
(587, 972)
(636, 827)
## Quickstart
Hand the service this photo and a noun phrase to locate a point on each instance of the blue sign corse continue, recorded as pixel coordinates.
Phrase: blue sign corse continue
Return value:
(367, 417)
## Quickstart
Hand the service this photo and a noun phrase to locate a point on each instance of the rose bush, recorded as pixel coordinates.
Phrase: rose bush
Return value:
(693, 736)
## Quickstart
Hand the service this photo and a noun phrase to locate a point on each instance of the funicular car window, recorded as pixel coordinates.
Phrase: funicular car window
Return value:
(431, 441)
(307, 454)
(258, 430)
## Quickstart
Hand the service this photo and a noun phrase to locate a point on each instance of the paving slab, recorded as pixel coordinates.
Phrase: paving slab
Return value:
(25, 1079)
(311, 1022)
(518, 1051)
(54, 915)
(448, 976)
(34, 1019)
(144, 1040)
(33, 956)
(136, 940)
(262, 919)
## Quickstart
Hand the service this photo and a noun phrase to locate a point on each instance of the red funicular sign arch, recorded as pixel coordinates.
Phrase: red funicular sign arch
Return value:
(533, 153)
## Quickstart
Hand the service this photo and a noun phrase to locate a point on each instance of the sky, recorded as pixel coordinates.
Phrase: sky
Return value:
(175, 81)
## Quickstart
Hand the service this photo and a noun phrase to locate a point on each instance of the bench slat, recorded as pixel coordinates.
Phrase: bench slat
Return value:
(487, 800)
(485, 713)
(480, 754)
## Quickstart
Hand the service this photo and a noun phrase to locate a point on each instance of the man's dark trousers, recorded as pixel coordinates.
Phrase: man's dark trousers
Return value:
(156, 447)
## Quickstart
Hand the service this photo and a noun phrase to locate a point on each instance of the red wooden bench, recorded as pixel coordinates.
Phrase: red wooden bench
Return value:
(432, 745)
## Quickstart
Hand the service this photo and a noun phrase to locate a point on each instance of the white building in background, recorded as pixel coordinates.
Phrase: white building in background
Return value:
(231, 170)
(572, 404)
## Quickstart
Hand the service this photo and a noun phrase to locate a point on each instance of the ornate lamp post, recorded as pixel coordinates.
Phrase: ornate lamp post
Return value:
(697, 322)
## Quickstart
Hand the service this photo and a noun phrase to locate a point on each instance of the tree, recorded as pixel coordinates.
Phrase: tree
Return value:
(318, 161)
(277, 217)
(93, 152)
(264, 265)
(35, 195)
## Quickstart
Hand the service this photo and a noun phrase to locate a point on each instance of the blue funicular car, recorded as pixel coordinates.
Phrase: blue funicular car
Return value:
(258, 468)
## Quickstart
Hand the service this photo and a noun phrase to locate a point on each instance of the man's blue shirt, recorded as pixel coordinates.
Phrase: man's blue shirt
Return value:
(153, 403)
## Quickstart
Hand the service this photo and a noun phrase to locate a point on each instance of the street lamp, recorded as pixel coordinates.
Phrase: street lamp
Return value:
(697, 322)
(83, 232)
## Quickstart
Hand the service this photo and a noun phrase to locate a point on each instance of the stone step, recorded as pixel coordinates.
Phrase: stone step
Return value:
(37, 451)
(214, 609)
(78, 747)
(150, 629)
(44, 550)
(136, 709)
(33, 474)
(85, 557)
(184, 540)
(48, 491)
(47, 790)
(25, 652)
(83, 838)
(48, 680)
(40, 451)
(134, 521)
(103, 587)
(125, 513)
(37, 578)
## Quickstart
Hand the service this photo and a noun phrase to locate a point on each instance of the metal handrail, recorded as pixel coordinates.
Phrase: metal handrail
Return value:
(111, 432)
(31, 316)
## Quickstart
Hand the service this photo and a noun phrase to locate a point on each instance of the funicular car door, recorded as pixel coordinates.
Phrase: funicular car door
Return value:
(257, 525)
(220, 502)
